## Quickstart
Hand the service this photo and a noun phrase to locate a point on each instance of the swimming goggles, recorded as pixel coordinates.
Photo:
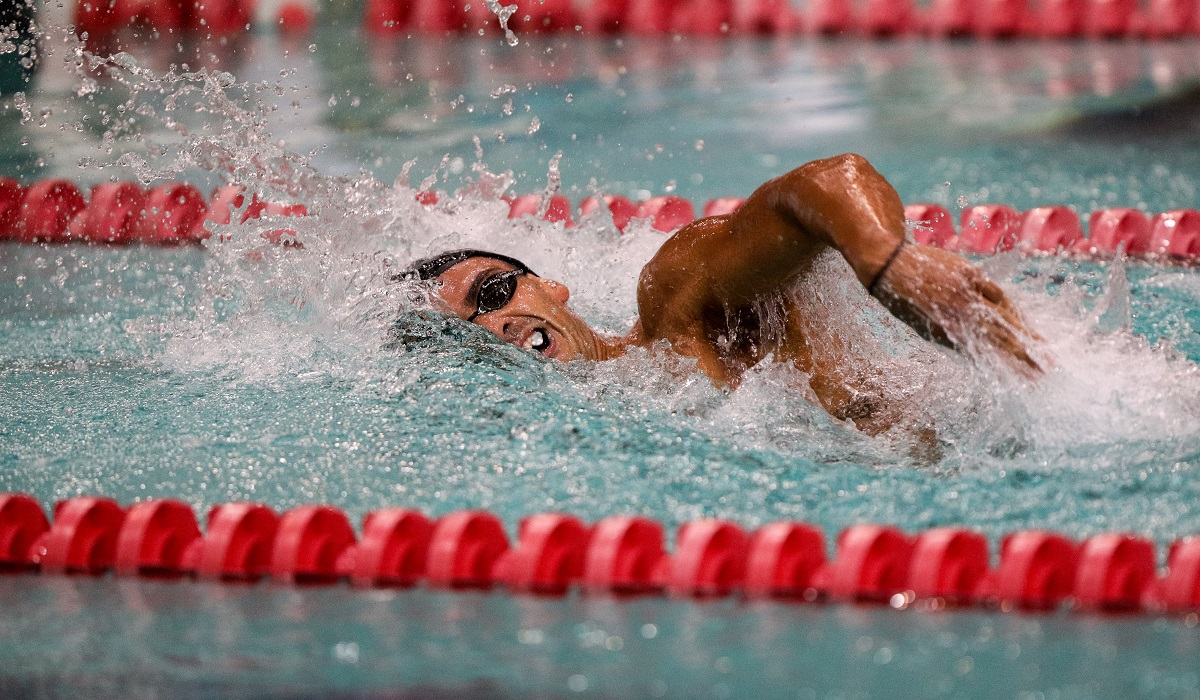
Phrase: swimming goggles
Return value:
(494, 293)
(497, 291)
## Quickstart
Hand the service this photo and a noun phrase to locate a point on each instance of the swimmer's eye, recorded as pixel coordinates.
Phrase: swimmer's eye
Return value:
(538, 341)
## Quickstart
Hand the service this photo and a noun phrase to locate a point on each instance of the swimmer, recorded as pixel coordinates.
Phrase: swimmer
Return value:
(702, 292)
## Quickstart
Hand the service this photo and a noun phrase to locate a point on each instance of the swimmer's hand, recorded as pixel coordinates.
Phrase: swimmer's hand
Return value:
(949, 301)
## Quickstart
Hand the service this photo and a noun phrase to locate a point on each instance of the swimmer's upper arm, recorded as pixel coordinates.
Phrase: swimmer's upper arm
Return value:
(840, 202)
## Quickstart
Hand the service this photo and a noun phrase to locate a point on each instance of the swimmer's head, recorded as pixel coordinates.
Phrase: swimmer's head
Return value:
(504, 296)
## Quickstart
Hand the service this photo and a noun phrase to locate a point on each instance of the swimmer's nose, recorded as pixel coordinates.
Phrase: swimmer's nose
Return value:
(557, 290)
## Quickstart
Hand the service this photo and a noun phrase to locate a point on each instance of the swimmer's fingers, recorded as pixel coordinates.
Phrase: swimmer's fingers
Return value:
(1005, 338)
(990, 291)
(949, 301)
(1009, 333)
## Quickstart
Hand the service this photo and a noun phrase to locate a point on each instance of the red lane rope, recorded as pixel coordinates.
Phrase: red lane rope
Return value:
(57, 211)
(875, 18)
(554, 553)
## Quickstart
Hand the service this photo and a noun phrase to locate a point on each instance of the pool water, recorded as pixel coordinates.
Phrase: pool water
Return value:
(244, 371)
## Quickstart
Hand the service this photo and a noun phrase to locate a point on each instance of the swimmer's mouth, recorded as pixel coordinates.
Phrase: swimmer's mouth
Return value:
(539, 340)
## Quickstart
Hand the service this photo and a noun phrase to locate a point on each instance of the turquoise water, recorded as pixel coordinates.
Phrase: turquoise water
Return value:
(243, 371)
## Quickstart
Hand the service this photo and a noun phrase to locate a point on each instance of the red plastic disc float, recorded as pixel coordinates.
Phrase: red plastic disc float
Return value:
(1037, 570)
(649, 16)
(871, 565)
(709, 559)
(1113, 229)
(765, 17)
(1114, 571)
(224, 201)
(98, 17)
(1059, 18)
(934, 225)
(830, 16)
(667, 213)
(221, 16)
(1176, 233)
(1171, 17)
(605, 16)
(154, 537)
(22, 522)
(308, 543)
(782, 560)
(624, 555)
(463, 550)
(548, 556)
(948, 563)
(1179, 590)
(392, 551)
(11, 194)
(1110, 18)
(703, 17)
(437, 15)
(558, 210)
(45, 211)
(1050, 229)
(548, 16)
(621, 208)
(83, 538)
(237, 546)
(989, 228)
(385, 16)
(295, 18)
(1003, 18)
(887, 17)
(951, 17)
(173, 213)
(111, 215)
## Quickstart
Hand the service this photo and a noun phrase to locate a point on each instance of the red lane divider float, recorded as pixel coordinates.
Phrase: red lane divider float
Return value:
(56, 211)
(878, 18)
(216, 17)
(620, 555)
(875, 18)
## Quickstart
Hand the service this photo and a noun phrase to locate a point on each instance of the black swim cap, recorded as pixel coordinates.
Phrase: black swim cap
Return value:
(432, 267)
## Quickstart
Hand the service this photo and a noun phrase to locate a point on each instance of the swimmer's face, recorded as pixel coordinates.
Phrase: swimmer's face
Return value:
(537, 317)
